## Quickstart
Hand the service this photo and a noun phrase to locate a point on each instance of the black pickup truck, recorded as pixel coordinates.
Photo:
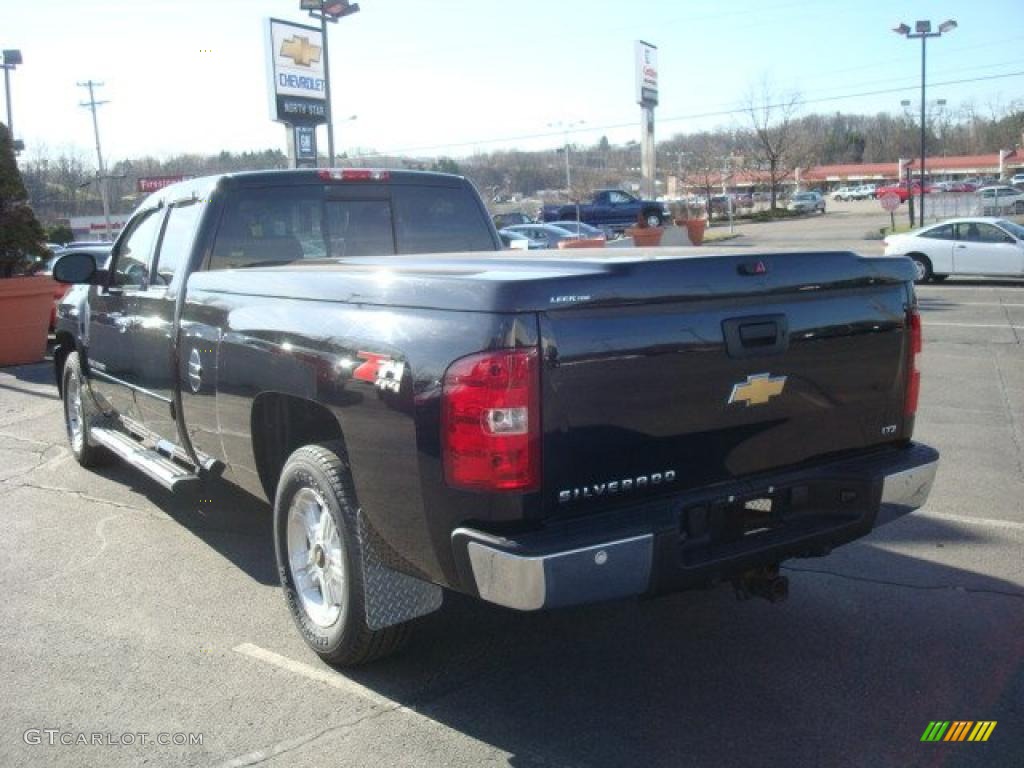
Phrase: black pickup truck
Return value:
(425, 412)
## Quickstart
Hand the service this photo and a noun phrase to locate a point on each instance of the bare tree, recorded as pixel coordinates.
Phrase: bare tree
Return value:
(704, 157)
(774, 135)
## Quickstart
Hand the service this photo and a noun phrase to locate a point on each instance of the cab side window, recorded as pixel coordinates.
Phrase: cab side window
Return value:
(135, 251)
(176, 243)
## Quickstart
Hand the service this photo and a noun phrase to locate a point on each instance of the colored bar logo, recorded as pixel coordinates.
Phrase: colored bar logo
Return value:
(958, 730)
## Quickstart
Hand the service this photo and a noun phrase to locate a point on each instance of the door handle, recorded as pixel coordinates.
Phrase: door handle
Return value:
(961, 246)
(756, 336)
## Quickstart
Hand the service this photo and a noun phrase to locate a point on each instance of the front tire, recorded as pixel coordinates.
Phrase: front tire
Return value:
(653, 219)
(319, 559)
(77, 414)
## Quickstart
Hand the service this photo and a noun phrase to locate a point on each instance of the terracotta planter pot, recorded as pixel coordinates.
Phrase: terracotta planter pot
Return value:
(25, 304)
(645, 237)
(695, 229)
(584, 242)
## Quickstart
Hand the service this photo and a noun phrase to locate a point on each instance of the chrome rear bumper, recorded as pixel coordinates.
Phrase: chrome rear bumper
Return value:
(529, 575)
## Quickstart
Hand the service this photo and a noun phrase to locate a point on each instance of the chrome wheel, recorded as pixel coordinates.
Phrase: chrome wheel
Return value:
(315, 558)
(920, 270)
(73, 414)
(653, 220)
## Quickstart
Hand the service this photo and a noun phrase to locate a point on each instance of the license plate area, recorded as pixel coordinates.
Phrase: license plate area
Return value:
(758, 518)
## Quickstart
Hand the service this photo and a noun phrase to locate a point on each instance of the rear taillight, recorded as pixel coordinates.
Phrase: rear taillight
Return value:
(353, 174)
(490, 421)
(913, 374)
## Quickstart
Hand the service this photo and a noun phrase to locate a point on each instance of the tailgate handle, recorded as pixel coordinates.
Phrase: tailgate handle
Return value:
(756, 336)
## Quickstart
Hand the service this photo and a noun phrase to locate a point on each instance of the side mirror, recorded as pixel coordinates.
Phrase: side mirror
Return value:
(74, 268)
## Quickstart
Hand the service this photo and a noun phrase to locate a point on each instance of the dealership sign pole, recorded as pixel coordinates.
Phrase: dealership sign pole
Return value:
(296, 71)
(647, 98)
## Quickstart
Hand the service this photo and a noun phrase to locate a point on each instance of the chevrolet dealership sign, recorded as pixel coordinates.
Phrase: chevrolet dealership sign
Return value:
(298, 88)
(646, 74)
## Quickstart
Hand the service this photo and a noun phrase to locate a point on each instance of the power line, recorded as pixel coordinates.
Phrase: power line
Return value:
(679, 118)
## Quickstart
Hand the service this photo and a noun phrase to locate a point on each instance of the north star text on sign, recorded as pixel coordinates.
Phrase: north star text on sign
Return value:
(305, 83)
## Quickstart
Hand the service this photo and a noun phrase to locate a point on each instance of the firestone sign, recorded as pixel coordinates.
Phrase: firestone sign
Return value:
(646, 74)
(149, 184)
(298, 86)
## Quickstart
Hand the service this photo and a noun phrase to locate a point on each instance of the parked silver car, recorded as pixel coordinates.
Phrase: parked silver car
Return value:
(806, 202)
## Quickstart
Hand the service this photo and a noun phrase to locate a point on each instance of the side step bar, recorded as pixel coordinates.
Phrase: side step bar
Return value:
(169, 474)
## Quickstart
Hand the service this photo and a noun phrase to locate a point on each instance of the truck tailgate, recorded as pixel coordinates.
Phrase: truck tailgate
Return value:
(686, 389)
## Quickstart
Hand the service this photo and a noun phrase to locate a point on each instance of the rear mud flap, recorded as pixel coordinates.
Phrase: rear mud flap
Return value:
(392, 597)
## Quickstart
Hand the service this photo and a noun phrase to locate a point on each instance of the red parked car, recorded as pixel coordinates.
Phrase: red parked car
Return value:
(900, 191)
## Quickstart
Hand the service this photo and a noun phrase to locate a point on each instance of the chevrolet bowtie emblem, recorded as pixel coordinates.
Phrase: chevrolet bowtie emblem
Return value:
(758, 389)
(300, 50)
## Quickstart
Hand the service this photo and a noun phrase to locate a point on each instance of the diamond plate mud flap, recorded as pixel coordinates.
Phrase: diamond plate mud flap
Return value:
(391, 596)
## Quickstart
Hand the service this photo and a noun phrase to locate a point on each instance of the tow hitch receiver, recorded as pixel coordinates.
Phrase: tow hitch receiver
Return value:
(762, 582)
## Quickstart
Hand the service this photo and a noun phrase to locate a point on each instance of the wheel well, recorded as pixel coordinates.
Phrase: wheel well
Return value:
(921, 256)
(65, 346)
(281, 424)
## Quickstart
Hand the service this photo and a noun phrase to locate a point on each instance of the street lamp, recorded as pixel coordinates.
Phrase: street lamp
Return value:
(328, 11)
(12, 58)
(923, 31)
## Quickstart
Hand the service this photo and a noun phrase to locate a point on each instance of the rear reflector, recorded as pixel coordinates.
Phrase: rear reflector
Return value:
(490, 421)
(353, 174)
(914, 345)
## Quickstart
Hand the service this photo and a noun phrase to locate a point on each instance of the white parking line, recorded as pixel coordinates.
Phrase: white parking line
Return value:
(342, 683)
(1012, 525)
(929, 323)
(923, 301)
(333, 679)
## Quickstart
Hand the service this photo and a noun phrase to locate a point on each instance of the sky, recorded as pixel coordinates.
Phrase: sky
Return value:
(453, 77)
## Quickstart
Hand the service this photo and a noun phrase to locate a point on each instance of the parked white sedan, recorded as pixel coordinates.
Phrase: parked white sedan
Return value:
(986, 246)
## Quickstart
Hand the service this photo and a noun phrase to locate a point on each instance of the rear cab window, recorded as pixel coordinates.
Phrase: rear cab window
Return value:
(268, 226)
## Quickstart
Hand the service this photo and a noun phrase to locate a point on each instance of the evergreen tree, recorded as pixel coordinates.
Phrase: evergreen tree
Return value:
(21, 236)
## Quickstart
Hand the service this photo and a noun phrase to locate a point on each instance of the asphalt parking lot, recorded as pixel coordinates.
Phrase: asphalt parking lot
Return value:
(129, 611)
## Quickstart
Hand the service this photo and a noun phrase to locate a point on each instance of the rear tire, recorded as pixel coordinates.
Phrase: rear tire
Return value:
(653, 219)
(923, 267)
(939, 278)
(78, 413)
(319, 559)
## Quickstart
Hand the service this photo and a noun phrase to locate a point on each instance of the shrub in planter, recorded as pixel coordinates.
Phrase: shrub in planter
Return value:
(25, 300)
(582, 242)
(691, 217)
(644, 234)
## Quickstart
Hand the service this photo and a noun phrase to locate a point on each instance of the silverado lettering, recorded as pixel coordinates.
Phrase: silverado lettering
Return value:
(615, 486)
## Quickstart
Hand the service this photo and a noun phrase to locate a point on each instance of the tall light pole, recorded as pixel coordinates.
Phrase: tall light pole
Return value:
(12, 58)
(923, 31)
(328, 11)
(102, 178)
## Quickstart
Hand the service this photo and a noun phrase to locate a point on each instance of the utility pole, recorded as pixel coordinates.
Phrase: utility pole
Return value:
(566, 126)
(102, 178)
